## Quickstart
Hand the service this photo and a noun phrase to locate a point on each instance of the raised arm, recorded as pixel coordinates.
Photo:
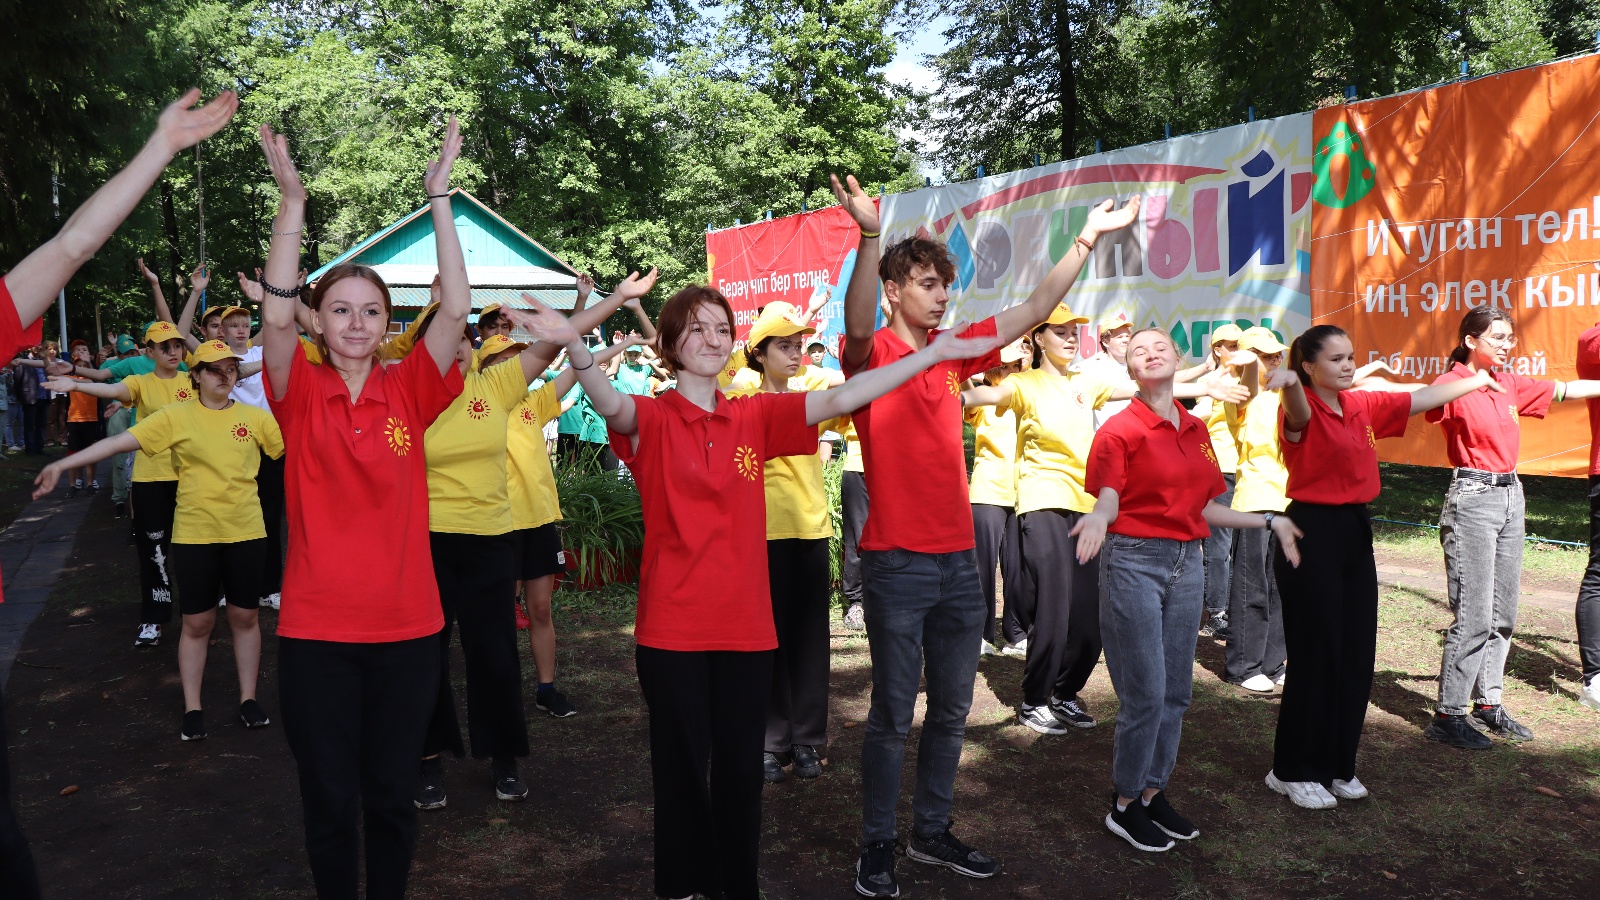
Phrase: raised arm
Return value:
(550, 327)
(1018, 320)
(582, 320)
(279, 339)
(36, 280)
(157, 298)
(118, 391)
(197, 287)
(647, 328)
(871, 384)
(585, 287)
(861, 296)
(455, 294)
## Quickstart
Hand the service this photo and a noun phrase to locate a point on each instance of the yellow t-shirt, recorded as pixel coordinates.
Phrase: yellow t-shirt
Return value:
(994, 458)
(797, 501)
(1055, 429)
(1224, 439)
(852, 446)
(732, 369)
(529, 478)
(1263, 481)
(216, 453)
(149, 394)
(743, 381)
(398, 346)
(466, 449)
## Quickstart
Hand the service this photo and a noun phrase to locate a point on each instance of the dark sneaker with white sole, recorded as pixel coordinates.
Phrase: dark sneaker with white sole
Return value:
(1071, 712)
(1457, 732)
(943, 849)
(194, 725)
(555, 703)
(1134, 826)
(252, 715)
(430, 787)
(1168, 820)
(1498, 721)
(507, 782)
(875, 871)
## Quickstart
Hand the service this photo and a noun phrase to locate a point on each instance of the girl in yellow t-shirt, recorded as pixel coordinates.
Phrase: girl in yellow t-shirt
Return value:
(154, 492)
(993, 492)
(219, 538)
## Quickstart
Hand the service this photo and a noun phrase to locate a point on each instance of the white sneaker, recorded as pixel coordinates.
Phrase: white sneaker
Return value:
(986, 649)
(149, 636)
(1304, 794)
(271, 601)
(1259, 683)
(1281, 676)
(1019, 650)
(1590, 695)
(1349, 790)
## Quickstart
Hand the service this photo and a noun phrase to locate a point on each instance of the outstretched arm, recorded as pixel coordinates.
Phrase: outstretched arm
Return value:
(1016, 321)
(647, 328)
(117, 391)
(985, 395)
(569, 377)
(583, 320)
(88, 456)
(455, 294)
(36, 280)
(861, 296)
(871, 384)
(1436, 395)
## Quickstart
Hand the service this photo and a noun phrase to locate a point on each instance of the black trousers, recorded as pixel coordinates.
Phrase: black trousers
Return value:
(999, 542)
(1330, 629)
(269, 486)
(18, 876)
(1589, 592)
(154, 503)
(33, 419)
(797, 569)
(354, 716)
(477, 587)
(1064, 644)
(1255, 609)
(707, 711)
(853, 509)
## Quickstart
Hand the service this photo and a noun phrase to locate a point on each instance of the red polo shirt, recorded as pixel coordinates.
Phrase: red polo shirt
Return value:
(703, 579)
(1481, 429)
(356, 481)
(1336, 459)
(1589, 368)
(1164, 475)
(916, 466)
(14, 338)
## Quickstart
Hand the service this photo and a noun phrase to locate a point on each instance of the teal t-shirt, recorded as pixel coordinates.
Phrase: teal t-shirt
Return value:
(633, 380)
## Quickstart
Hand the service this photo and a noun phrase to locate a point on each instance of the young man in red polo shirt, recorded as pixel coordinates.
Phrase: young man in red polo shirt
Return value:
(923, 600)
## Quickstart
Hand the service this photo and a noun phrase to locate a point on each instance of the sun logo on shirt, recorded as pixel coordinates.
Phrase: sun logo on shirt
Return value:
(241, 433)
(399, 436)
(1512, 409)
(182, 394)
(478, 408)
(953, 382)
(1372, 438)
(744, 460)
(1078, 398)
(1210, 454)
(527, 416)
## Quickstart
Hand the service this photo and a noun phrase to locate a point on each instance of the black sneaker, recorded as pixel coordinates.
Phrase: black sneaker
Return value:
(1071, 712)
(1215, 625)
(555, 703)
(772, 768)
(507, 783)
(1134, 826)
(194, 725)
(430, 787)
(875, 871)
(119, 511)
(253, 715)
(943, 849)
(1498, 721)
(807, 764)
(1457, 732)
(1168, 820)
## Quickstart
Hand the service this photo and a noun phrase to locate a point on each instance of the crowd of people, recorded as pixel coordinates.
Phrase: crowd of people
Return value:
(1102, 518)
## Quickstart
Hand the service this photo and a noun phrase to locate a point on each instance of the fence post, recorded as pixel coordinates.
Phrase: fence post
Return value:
(980, 170)
(1250, 114)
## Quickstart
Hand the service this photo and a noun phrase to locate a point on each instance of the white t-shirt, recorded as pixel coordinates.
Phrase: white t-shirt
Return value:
(1114, 374)
(252, 390)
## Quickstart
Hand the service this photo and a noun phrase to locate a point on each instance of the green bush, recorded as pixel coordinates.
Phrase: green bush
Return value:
(832, 475)
(602, 524)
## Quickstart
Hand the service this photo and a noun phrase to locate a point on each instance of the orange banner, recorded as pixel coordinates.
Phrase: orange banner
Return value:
(1431, 203)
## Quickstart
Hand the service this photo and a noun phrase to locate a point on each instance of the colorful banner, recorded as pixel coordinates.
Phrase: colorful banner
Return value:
(796, 259)
(1431, 203)
(1223, 236)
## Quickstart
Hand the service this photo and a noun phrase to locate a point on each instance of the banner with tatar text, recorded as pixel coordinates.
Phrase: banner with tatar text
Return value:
(1479, 192)
(1223, 236)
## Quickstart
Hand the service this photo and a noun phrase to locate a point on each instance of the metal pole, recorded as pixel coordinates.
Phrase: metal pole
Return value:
(200, 207)
(61, 298)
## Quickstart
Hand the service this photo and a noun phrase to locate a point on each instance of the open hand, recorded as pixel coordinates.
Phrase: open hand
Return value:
(59, 384)
(1485, 378)
(1228, 392)
(1238, 359)
(251, 289)
(144, 270)
(951, 345)
(46, 482)
(544, 323)
(585, 286)
(437, 179)
(59, 367)
(1283, 378)
(199, 278)
(1288, 533)
(856, 202)
(1091, 534)
(1103, 218)
(182, 125)
(284, 172)
(634, 287)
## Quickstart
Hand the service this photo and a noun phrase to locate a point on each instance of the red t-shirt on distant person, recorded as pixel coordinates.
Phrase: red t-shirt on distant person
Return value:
(14, 338)
(1481, 429)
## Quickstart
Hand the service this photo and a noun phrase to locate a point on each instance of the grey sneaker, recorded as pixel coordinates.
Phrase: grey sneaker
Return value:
(855, 619)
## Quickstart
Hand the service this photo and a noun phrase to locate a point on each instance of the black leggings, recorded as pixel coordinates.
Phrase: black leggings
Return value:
(207, 572)
(1064, 642)
(269, 486)
(707, 710)
(355, 716)
(999, 541)
(797, 569)
(1330, 630)
(154, 502)
(477, 588)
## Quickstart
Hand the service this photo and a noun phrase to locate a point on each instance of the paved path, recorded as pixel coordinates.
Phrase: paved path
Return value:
(1432, 580)
(33, 548)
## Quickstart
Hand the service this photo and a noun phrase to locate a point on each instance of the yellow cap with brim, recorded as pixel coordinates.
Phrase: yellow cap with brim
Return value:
(1228, 332)
(421, 319)
(1063, 315)
(212, 351)
(233, 310)
(1261, 340)
(777, 320)
(494, 345)
(161, 332)
(488, 311)
(1120, 320)
(1013, 352)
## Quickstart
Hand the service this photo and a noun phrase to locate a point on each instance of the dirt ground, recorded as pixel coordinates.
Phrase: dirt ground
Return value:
(155, 817)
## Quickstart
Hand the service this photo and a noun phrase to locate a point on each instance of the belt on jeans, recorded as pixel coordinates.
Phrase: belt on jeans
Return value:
(1497, 479)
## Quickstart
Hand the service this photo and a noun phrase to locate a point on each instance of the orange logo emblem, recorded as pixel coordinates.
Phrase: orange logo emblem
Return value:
(1372, 438)
(241, 433)
(478, 408)
(1210, 453)
(744, 459)
(399, 436)
(953, 382)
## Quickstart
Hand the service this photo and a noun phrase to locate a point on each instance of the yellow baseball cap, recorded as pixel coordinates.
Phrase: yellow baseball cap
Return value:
(212, 351)
(488, 311)
(161, 332)
(1120, 320)
(1228, 332)
(1261, 340)
(777, 320)
(494, 345)
(233, 310)
(1063, 315)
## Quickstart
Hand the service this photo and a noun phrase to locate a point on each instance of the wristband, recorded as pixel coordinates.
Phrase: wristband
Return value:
(1561, 391)
(280, 292)
(438, 196)
(1087, 247)
(287, 233)
(578, 368)
(870, 234)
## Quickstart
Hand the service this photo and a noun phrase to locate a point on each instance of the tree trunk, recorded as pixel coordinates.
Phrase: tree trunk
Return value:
(1065, 77)
(313, 256)
(169, 224)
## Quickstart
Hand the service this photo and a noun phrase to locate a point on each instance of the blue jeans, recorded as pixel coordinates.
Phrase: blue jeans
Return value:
(1151, 594)
(918, 605)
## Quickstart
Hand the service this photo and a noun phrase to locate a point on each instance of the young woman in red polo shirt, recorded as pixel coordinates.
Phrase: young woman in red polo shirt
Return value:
(1481, 526)
(705, 630)
(1153, 471)
(1330, 601)
(358, 652)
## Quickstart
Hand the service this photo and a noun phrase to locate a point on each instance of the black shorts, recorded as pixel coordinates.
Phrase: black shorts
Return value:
(81, 434)
(207, 572)
(538, 552)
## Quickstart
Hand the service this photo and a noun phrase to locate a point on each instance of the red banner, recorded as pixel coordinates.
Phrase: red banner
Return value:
(791, 259)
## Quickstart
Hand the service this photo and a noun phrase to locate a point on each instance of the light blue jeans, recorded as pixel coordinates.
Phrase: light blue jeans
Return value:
(1151, 593)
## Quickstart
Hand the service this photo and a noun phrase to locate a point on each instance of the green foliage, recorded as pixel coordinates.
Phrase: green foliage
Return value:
(832, 477)
(602, 523)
